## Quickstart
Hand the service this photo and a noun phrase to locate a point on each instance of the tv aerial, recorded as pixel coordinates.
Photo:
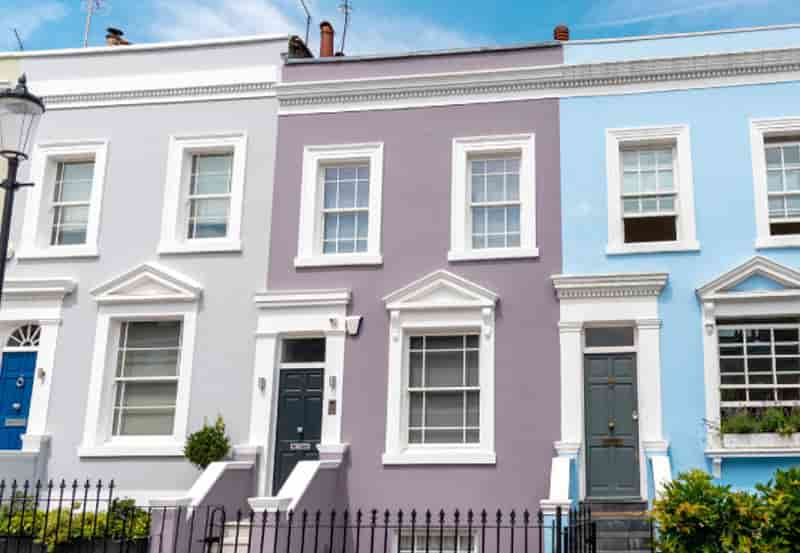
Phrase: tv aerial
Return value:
(91, 6)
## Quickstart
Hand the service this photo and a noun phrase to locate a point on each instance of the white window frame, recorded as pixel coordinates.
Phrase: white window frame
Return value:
(759, 130)
(439, 303)
(686, 233)
(719, 299)
(460, 196)
(146, 293)
(309, 237)
(174, 238)
(37, 226)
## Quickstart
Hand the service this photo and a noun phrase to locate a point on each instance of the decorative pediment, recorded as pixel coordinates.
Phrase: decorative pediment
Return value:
(148, 283)
(758, 277)
(440, 290)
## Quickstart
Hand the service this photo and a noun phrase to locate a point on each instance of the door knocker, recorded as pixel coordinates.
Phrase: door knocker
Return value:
(16, 406)
(20, 381)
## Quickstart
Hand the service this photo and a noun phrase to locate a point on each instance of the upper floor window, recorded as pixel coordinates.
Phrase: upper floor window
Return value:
(340, 214)
(650, 190)
(783, 185)
(493, 198)
(204, 194)
(71, 202)
(62, 214)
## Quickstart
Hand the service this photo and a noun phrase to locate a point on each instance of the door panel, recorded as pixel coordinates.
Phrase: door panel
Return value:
(299, 424)
(612, 453)
(16, 386)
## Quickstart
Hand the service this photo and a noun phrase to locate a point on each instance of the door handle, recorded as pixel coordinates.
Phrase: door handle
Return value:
(635, 416)
(611, 425)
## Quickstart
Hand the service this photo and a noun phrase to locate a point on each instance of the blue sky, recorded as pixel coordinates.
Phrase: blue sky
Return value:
(382, 25)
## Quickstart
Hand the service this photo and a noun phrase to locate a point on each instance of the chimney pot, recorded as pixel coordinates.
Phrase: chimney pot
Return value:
(114, 37)
(561, 32)
(325, 40)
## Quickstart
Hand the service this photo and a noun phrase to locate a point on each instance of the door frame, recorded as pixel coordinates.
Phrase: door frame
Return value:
(23, 349)
(617, 351)
(276, 404)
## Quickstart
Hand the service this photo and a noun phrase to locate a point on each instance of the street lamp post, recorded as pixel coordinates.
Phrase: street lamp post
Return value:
(19, 118)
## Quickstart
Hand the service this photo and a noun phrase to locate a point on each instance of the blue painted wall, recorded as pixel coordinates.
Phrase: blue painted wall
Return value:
(710, 43)
(725, 216)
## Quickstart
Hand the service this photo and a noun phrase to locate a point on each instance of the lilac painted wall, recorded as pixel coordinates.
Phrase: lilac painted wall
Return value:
(416, 234)
(386, 67)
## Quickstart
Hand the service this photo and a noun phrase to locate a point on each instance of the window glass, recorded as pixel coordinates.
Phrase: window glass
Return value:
(783, 186)
(443, 389)
(495, 203)
(345, 209)
(649, 194)
(434, 541)
(303, 350)
(209, 195)
(612, 336)
(146, 379)
(71, 200)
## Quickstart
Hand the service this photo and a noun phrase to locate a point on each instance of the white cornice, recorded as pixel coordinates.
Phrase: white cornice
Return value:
(549, 81)
(302, 298)
(609, 285)
(38, 288)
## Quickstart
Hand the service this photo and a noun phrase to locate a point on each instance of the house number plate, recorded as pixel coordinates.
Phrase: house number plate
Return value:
(300, 446)
(16, 422)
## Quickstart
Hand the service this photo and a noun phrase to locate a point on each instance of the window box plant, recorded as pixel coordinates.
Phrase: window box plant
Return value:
(771, 428)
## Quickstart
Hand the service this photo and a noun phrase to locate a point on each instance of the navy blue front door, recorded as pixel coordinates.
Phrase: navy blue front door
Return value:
(16, 385)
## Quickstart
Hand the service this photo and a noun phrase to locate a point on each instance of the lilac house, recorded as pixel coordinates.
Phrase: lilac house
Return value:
(407, 339)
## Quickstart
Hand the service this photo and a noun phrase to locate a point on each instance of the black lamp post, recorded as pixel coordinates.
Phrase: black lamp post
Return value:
(19, 117)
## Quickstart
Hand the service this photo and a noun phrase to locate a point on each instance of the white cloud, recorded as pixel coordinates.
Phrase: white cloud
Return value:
(368, 33)
(628, 12)
(28, 19)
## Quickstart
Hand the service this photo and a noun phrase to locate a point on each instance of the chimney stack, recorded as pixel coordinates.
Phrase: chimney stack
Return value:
(325, 40)
(561, 33)
(114, 37)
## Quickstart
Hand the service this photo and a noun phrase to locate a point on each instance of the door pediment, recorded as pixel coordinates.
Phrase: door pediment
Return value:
(440, 290)
(148, 283)
(757, 277)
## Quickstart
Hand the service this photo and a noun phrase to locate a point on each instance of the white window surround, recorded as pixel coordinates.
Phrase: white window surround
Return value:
(296, 314)
(759, 130)
(309, 238)
(439, 302)
(36, 301)
(147, 292)
(616, 139)
(628, 299)
(719, 299)
(182, 147)
(460, 195)
(35, 239)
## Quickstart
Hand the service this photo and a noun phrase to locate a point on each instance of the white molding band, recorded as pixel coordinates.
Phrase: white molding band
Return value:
(547, 81)
(437, 302)
(621, 285)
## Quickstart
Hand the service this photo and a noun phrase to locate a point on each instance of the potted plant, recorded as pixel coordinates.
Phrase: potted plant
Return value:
(773, 427)
(208, 445)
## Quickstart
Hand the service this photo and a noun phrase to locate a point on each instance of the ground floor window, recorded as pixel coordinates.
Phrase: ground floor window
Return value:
(435, 542)
(443, 389)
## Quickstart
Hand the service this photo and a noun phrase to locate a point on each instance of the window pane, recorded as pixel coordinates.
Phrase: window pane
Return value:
(630, 160)
(149, 362)
(478, 220)
(496, 219)
(415, 369)
(214, 163)
(773, 157)
(347, 226)
(330, 194)
(609, 337)
(444, 368)
(647, 159)
(444, 342)
(443, 436)
(494, 188)
(415, 436)
(147, 394)
(146, 423)
(444, 409)
(347, 194)
(665, 180)
(478, 188)
(791, 154)
(793, 180)
(630, 183)
(153, 334)
(630, 206)
(473, 408)
(331, 224)
(362, 223)
(648, 181)
(775, 181)
(363, 193)
(495, 166)
(512, 188)
(303, 350)
(664, 159)
(513, 219)
(415, 409)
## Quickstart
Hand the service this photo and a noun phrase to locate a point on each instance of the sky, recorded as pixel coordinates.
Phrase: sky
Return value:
(379, 26)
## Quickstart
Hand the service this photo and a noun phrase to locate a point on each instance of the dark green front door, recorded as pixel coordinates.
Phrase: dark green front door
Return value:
(612, 452)
(299, 425)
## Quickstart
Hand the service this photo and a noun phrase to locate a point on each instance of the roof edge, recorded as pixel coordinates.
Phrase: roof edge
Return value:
(636, 38)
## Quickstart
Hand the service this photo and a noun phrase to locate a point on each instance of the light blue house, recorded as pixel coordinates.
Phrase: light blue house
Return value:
(680, 292)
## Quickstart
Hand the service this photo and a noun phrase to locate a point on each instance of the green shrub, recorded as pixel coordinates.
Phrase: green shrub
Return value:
(781, 497)
(773, 419)
(741, 422)
(207, 445)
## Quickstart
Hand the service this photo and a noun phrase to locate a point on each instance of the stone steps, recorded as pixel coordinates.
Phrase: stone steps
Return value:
(622, 526)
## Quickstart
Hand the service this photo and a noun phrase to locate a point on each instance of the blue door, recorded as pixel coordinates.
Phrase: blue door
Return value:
(16, 385)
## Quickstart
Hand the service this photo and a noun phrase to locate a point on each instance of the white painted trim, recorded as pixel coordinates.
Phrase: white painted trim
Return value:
(309, 243)
(662, 474)
(684, 186)
(203, 485)
(544, 81)
(610, 300)
(759, 130)
(176, 189)
(460, 195)
(439, 301)
(638, 38)
(135, 295)
(148, 283)
(293, 490)
(742, 453)
(38, 288)
(35, 239)
(288, 314)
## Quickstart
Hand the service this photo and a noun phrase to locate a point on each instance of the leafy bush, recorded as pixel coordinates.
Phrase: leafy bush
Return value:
(65, 525)
(207, 445)
(773, 419)
(695, 515)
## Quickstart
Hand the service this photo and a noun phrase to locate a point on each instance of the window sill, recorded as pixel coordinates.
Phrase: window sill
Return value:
(652, 247)
(787, 241)
(453, 456)
(204, 246)
(495, 253)
(339, 260)
(58, 252)
(112, 449)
